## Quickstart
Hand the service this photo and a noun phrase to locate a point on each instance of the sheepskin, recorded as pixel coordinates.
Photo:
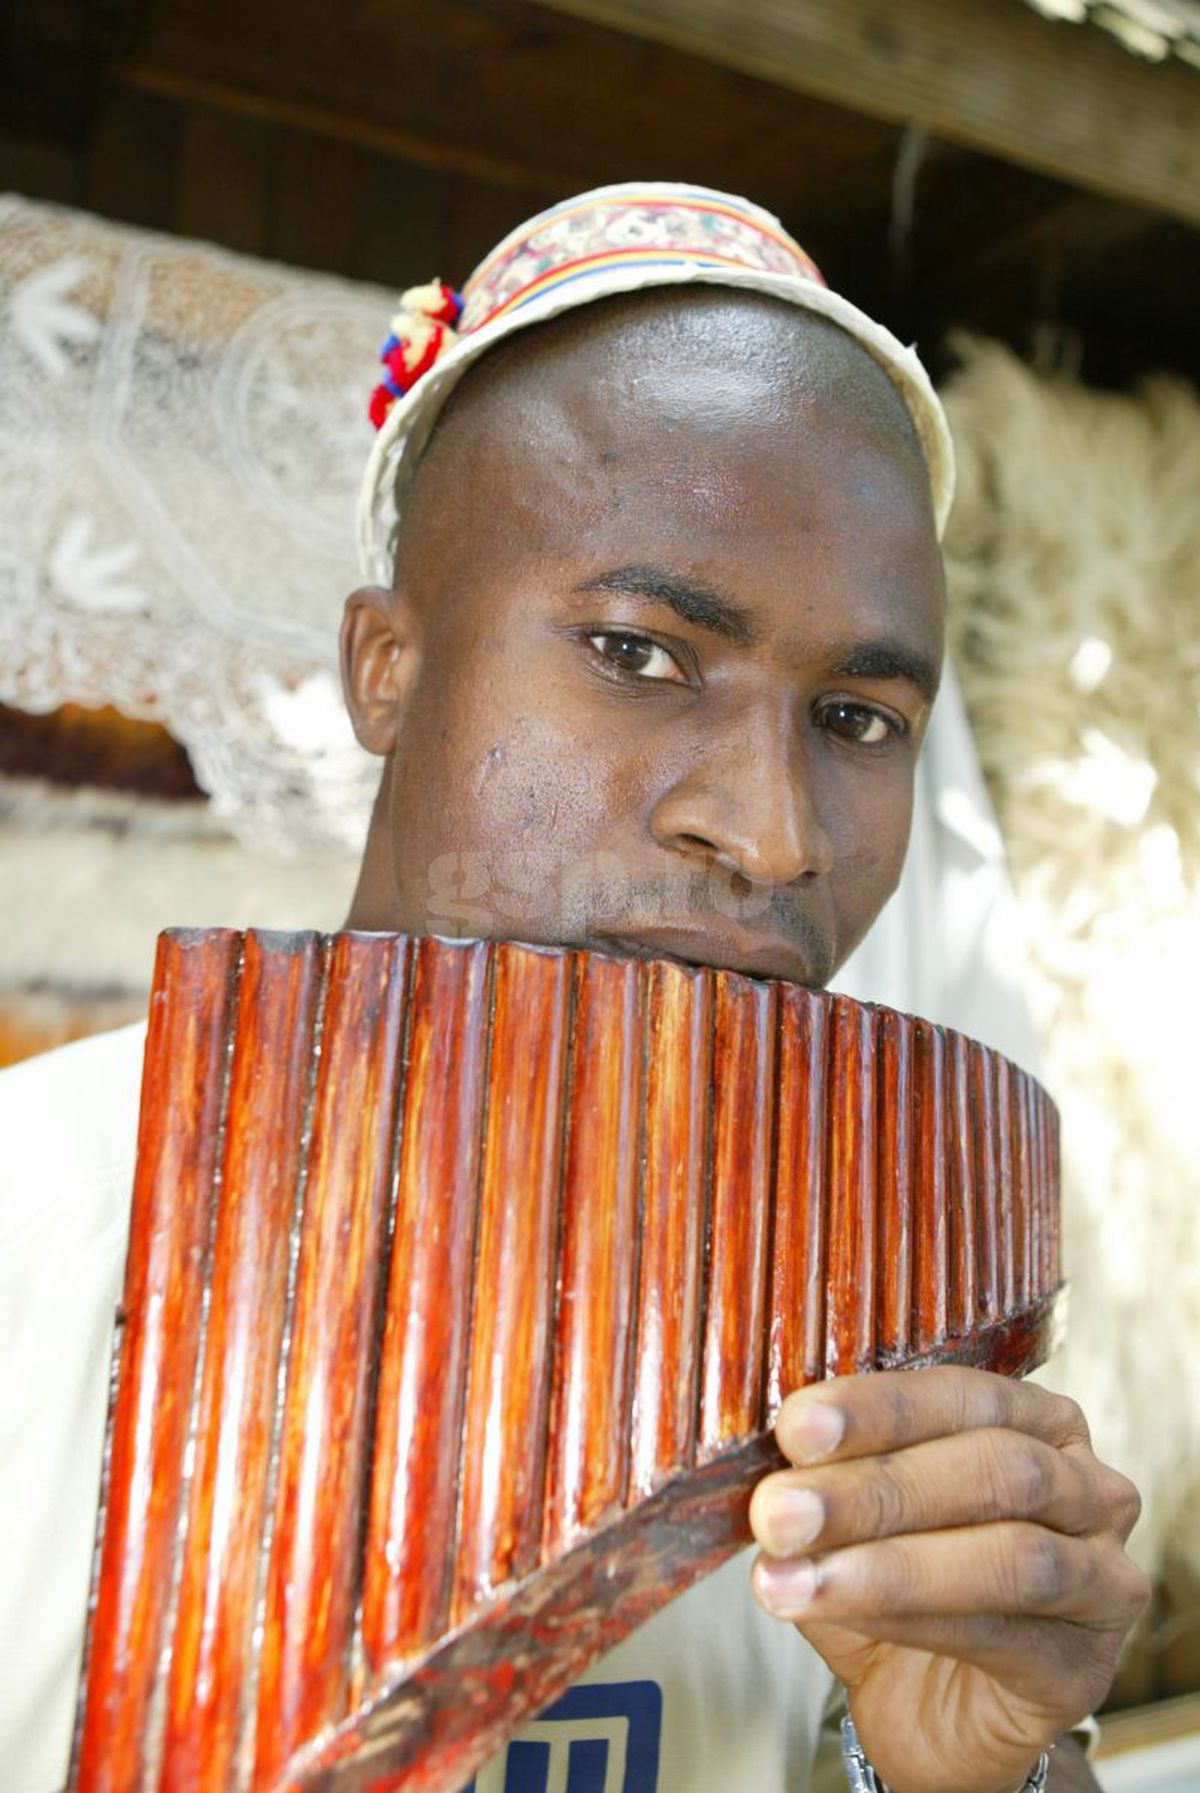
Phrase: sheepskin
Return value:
(1074, 576)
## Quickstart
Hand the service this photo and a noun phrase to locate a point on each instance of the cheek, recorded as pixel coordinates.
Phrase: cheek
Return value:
(870, 815)
(505, 797)
(535, 796)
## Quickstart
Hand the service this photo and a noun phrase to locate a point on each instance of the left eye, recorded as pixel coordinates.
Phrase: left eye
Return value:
(637, 654)
(858, 722)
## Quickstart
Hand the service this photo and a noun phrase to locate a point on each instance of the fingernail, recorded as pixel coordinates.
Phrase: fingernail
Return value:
(814, 1429)
(787, 1588)
(796, 1518)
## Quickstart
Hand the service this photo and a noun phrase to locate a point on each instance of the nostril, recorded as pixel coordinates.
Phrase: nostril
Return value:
(739, 884)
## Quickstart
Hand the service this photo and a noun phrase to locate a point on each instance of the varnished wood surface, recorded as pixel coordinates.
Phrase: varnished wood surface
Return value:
(165, 1279)
(409, 1557)
(248, 1289)
(464, 1283)
(312, 1582)
(677, 1081)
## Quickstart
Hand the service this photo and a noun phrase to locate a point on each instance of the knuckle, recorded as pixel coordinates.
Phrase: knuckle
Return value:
(1039, 1570)
(1072, 1421)
(1027, 1475)
(997, 1403)
(896, 1579)
(1122, 1502)
(984, 1401)
(884, 1499)
(899, 1405)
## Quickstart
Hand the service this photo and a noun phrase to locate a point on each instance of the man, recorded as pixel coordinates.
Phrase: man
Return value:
(654, 635)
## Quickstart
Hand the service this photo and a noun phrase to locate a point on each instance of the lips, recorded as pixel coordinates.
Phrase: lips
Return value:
(729, 949)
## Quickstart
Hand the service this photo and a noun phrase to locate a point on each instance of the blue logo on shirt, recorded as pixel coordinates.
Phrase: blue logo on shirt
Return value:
(601, 1739)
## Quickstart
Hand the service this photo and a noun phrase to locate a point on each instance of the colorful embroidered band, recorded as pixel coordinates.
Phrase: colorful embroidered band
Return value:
(614, 240)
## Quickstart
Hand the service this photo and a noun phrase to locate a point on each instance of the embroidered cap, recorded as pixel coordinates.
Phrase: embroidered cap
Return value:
(618, 239)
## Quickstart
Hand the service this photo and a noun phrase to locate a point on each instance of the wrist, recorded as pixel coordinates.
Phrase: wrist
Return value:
(863, 1777)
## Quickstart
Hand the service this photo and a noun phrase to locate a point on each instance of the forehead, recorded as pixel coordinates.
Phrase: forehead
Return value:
(732, 438)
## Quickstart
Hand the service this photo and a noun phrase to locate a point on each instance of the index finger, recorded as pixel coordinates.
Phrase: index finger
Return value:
(886, 1410)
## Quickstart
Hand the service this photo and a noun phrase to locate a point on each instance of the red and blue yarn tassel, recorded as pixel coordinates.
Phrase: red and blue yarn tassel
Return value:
(407, 356)
(451, 307)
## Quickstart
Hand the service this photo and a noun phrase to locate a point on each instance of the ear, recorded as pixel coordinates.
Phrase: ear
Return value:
(380, 654)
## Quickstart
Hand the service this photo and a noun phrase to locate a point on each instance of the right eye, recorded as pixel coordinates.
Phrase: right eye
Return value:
(637, 655)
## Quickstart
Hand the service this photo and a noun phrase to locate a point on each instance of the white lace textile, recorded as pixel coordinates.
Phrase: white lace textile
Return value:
(182, 437)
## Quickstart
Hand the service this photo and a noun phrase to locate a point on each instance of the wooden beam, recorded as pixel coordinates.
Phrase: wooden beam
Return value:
(991, 75)
(333, 123)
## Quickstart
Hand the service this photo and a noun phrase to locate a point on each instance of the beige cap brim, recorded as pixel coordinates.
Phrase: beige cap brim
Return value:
(411, 419)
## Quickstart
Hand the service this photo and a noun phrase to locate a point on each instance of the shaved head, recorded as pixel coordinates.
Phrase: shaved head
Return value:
(787, 356)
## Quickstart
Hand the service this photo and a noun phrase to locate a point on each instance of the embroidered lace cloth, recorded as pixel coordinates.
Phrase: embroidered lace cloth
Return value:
(182, 437)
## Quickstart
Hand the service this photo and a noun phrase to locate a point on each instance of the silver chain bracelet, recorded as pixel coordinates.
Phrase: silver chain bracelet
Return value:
(862, 1778)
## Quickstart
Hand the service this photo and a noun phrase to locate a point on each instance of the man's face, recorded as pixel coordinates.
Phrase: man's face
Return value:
(658, 673)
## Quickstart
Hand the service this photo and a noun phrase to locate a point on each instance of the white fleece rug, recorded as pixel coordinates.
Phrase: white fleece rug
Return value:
(1074, 559)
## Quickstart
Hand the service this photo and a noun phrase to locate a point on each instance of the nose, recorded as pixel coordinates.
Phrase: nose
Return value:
(749, 802)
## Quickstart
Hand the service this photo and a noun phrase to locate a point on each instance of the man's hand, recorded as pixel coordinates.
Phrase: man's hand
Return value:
(955, 1551)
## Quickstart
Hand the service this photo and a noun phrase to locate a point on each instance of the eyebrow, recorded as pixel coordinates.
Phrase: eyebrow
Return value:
(890, 660)
(712, 609)
(703, 605)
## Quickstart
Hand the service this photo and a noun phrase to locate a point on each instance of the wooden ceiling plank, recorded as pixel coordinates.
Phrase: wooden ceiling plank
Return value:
(424, 151)
(992, 76)
(513, 93)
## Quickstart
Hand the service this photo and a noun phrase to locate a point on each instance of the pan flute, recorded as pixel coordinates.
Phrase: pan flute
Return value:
(464, 1282)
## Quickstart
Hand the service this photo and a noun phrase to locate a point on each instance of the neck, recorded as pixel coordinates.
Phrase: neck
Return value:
(371, 909)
